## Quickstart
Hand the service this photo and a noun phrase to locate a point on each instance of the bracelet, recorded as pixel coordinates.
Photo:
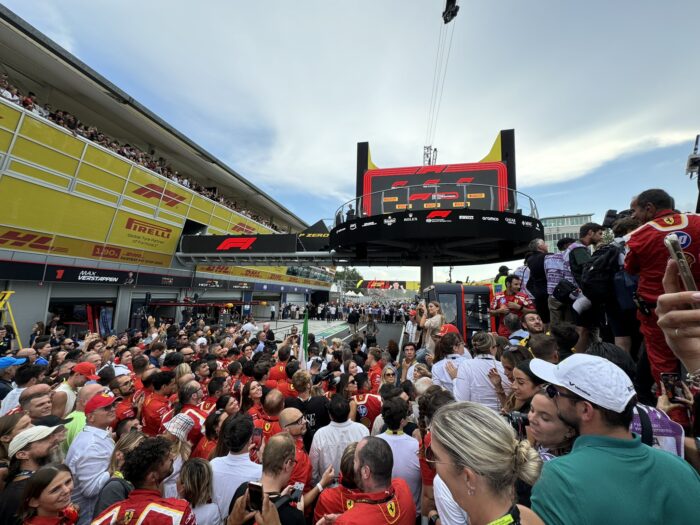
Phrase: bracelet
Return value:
(319, 487)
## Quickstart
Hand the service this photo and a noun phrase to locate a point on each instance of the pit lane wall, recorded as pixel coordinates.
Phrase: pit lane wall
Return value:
(66, 197)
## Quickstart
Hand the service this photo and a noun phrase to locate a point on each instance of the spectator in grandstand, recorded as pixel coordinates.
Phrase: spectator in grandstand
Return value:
(146, 468)
(47, 497)
(277, 466)
(403, 447)
(330, 441)
(609, 476)
(449, 353)
(477, 457)
(230, 471)
(89, 455)
(194, 486)
(472, 382)
(117, 488)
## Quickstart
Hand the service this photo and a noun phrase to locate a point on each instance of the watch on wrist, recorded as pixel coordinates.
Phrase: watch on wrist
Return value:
(432, 520)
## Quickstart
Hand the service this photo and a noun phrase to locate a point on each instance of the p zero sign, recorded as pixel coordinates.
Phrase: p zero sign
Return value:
(481, 185)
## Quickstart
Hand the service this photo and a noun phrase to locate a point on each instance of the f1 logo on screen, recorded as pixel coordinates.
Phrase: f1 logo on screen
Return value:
(438, 214)
(241, 243)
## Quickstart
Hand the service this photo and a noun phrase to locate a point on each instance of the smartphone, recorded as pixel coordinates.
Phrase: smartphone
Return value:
(673, 385)
(257, 437)
(255, 496)
(674, 248)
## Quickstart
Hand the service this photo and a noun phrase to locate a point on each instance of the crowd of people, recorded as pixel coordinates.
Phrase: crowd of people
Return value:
(131, 152)
(209, 424)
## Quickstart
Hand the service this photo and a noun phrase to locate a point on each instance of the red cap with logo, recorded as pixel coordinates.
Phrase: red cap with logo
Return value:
(101, 400)
(447, 329)
(86, 369)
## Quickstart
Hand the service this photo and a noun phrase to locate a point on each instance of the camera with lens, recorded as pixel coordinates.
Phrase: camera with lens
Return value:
(613, 215)
(518, 420)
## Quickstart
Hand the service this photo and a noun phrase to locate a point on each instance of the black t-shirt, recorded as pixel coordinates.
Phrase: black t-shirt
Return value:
(288, 515)
(10, 499)
(316, 411)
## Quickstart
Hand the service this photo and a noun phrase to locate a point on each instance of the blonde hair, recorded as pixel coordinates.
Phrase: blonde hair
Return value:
(127, 443)
(483, 342)
(182, 370)
(476, 437)
(196, 479)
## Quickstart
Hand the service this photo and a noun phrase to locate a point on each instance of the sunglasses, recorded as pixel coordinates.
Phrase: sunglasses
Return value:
(390, 374)
(552, 392)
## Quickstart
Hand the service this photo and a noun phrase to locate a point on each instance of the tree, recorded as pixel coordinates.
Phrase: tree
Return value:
(347, 278)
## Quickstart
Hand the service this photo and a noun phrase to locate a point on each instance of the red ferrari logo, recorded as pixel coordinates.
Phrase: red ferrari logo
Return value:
(438, 214)
(242, 243)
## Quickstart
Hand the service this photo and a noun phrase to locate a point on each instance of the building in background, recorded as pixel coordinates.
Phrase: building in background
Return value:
(89, 230)
(561, 226)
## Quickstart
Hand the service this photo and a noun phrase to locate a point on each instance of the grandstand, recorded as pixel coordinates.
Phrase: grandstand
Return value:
(94, 207)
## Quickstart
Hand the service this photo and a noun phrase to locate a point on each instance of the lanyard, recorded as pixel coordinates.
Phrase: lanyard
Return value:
(513, 517)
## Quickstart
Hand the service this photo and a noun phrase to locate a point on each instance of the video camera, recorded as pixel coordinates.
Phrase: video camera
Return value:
(613, 215)
(518, 420)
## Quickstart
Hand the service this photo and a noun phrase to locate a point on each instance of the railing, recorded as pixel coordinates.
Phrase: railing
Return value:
(438, 196)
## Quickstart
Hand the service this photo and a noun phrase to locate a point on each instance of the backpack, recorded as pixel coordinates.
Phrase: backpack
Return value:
(598, 273)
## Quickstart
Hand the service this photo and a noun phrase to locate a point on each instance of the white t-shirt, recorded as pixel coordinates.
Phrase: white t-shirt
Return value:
(230, 472)
(406, 464)
(472, 383)
(446, 506)
(440, 375)
(207, 514)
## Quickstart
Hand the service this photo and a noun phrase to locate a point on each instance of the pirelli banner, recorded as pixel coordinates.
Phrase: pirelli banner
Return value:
(63, 195)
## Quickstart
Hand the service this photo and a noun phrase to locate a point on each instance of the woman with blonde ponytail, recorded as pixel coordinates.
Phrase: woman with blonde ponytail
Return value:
(477, 455)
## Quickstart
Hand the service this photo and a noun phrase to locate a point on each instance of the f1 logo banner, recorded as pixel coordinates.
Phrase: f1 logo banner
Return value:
(239, 244)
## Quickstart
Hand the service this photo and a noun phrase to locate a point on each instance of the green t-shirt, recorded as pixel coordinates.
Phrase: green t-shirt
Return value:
(76, 425)
(617, 481)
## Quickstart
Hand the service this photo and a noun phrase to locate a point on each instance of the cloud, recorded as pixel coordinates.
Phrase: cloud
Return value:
(283, 91)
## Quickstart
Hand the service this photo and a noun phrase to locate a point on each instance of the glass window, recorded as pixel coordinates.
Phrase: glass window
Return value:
(448, 303)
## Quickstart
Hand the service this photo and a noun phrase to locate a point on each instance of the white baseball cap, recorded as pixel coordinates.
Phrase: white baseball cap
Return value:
(28, 436)
(593, 378)
(201, 341)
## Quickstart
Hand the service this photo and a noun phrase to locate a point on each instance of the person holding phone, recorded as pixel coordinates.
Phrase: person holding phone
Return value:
(278, 465)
